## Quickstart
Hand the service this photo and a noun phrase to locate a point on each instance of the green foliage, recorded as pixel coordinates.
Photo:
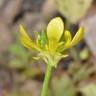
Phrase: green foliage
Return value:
(18, 58)
(70, 83)
(63, 86)
(73, 10)
(84, 54)
(81, 72)
(89, 90)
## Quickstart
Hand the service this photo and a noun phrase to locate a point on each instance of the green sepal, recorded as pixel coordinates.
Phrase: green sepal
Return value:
(43, 39)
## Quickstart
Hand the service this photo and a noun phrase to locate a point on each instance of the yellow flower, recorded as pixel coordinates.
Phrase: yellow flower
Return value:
(51, 42)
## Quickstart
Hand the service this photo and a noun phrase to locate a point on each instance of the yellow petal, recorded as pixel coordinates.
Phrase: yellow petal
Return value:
(26, 43)
(46, 47)
(78, 36)
(67, 39)
(53, 46)
(55, 29)
(25, 39)
(23, 32)
(37, 38)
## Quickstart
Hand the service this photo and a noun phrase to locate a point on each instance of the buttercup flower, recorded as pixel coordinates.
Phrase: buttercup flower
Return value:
(52, 42)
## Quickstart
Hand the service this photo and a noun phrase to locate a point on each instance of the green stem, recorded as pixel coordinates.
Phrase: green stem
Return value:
(44, 91)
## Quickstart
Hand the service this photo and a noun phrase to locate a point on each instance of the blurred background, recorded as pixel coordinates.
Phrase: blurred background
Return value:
(20, 75)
